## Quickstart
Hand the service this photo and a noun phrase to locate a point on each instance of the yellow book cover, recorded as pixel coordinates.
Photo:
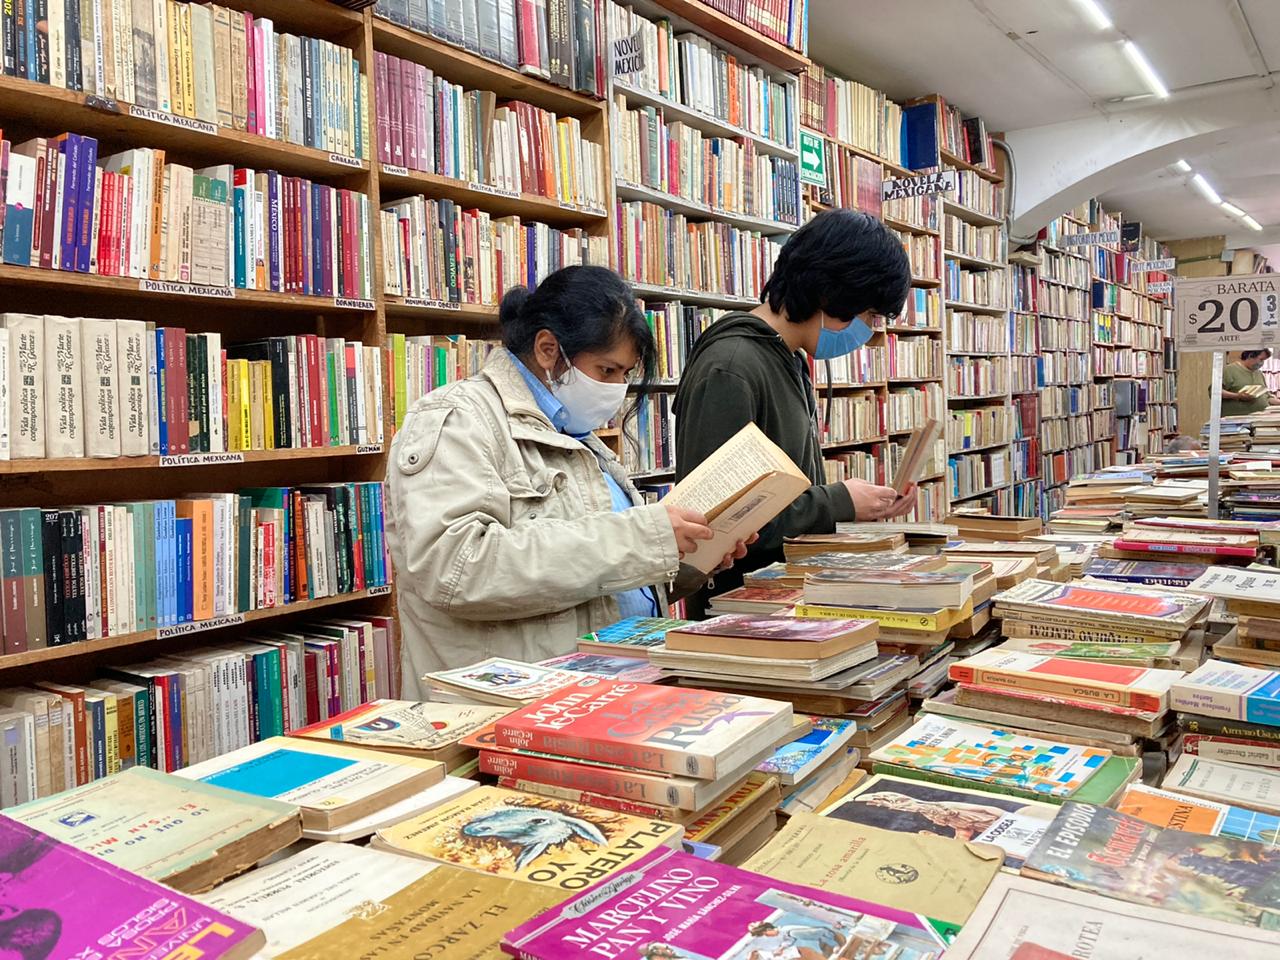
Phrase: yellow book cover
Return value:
(113, 733)
(188, 62)
(158, 207)
(924, 620)
(938, 877)
(748, 794)
(268, 408)
(244, 403)
(519, 836)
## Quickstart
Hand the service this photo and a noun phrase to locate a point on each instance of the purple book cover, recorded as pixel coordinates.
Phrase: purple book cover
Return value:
(62, 903)
(72, 175)
(85, 201)
(673, 906)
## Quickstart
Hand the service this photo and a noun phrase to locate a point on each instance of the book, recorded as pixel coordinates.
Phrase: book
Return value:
(795, 761)
(1163, 808)
(1137, 687)
(499, 682)
(1144, 573)
(185, 834)
(902, 621)
(953, 748)
(633, 669)
(1104, 851)
(911, 872)
(916, 456)
(746, 635)
(540, 840)
(734, 814)
(48, 881)
(1163, 614)
(431, 730)
(915, 807)
(1064, 919)
(950, 586)
(667, 729)
(331, 783)
(1230, 690)
(1253, 788)
(755, 599)
(739, 488)
(1054, 709)
(1247, 591)
(411, 806)
(808, 545)
(633, 636)
(854, 562)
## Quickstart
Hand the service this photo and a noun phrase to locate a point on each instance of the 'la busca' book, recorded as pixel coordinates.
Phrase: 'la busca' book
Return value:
(671, 904)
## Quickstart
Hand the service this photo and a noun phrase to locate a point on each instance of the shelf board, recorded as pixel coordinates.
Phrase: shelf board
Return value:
(892, 329)
(652, 475)
(731, 31)
(973, 261)
(527, 206)
(65, 464)
(839, 445)
(896, 169)
(969, 215)
(984, 446)
(703, 121)
(869, 385)
(125, 640)
(953, 160)
(960, 398)
(976, 307)
(909, 227)
(635, 191)
(409, 307)
(660, 293)
(54, 110)
(914, 380)
(926, 281)
(986, 491)
(978, 353)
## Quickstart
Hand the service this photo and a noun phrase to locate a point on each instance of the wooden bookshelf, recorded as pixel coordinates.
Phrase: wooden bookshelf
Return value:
(726, 28)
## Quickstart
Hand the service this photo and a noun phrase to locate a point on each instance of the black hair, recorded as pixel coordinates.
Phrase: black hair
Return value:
(33, 933)
(842, 262)
(1250, 354)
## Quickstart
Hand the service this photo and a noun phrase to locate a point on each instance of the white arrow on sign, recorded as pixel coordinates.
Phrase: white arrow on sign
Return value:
(811, 156)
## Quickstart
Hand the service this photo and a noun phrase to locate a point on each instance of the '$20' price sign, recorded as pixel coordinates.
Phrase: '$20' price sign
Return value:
(1227, 313)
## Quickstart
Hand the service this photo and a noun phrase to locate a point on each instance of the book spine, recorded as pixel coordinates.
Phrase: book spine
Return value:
(1093, 691)
(597, 780)
(603, 802)
(1232, 749)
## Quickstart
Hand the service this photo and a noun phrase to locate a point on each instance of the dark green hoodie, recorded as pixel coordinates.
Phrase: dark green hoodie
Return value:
(741, 371)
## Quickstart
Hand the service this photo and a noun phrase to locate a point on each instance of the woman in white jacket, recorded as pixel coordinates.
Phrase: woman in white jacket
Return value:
(513, 530)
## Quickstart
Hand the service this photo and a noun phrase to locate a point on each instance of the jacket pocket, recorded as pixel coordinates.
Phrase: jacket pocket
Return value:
(418, 438)
(540, 493)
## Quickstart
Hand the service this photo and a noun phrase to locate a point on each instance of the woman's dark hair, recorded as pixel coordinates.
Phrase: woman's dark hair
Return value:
(842, 262)
(1250, 354)
(33, 934)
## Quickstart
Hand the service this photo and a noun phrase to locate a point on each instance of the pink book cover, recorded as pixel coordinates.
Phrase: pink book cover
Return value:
(252, 72)
(409, 112)
(62, 903)
(260, 54)
(674, 906)
(747, 626)
(380, 94)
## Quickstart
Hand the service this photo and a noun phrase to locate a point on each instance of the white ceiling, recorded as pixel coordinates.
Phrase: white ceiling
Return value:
(1026, 63)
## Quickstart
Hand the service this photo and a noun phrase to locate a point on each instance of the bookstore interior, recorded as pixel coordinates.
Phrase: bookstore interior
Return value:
(644, 479)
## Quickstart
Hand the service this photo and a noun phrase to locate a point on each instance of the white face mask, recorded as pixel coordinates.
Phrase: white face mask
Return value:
(590, 403)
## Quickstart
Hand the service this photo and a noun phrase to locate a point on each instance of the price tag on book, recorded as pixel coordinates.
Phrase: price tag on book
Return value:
(1153, 266)
(199, 626)
(628, 54)
(347, 303)
(187, 289)
(173, 120)
(199, 459)
(1227, 313)
(1088, 239)
(921, 186)
(813, 159)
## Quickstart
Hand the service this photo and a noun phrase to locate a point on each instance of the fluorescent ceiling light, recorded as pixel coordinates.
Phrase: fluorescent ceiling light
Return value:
(1140, 63)
(1210, 194)
(1097, 16)
(1182, 166)
(1251, 223)
(1232, 209)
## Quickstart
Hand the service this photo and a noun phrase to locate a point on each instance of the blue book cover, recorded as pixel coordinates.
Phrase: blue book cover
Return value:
(182, 527)
(70, 146)
(19, 215)
(162, 423)
(920, 136)
(278, 772)
(177, 683)
(98, 750)
(86, 200)
(273, 228)
(160, 565)
(33, 66)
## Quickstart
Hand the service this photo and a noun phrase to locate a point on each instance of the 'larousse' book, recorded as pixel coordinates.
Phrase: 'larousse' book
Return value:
(183, 833)
(333, 784)
(62, 902)
(1230, 690)
(672, 904)
(428, 729)
(669, 729)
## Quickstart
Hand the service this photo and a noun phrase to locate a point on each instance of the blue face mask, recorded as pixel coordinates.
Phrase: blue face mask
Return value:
(836, 343)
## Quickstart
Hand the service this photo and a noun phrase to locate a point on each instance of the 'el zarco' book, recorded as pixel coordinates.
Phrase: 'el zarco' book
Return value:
(1164, 808)
(696, 733)
(519, 836)
(1161, 614)
(1104, 851)
(332, 783)
(673, 905)
(1025, 919)
(183, 833)
(913, 806)
(416, 729)
(62, 902)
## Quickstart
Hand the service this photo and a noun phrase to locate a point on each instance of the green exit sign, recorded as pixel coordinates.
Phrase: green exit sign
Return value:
(813, 159)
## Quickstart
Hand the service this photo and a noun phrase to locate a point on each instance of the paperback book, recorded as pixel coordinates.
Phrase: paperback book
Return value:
(793, 762)
(632, 637)
(1164, 614)
(431, 730)
(1164, 808)
(1085, 680)
(1231, 691)
(500, 682)
(1253, 788)
(631, 669)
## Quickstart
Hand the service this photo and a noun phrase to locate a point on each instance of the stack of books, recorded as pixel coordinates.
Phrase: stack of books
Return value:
(1236, 433)
(1231, 712)
(1167, 498)
(1140, 541)
(811, 768)
(972, 526)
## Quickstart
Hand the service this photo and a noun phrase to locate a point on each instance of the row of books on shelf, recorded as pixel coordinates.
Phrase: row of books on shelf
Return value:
(1112, 329)
(971, 474)
(922, 213)
(562, 41)
(910, 408)
(658, 246)
(419, 364)
(692, 72)
(649, 442)
(1060, 302)
(1066, 401)
(1058, 368)
(426, 123)
(1108, 264)
(1127, 362)
(719, 173)
(786, 21)
(913, 357)
(79, 387)
(978, 427)
(963, 137)
(922, 310)
(981, 288)
(922, 251)
(133, 214)
(192, 706)
(1024, 334)
(204, 62)
(851, 418)
(1026, 414)
(977, 376)
(1113, 298)
(853, 181)
(1024, 455)
(1024, 284)
(676, 328)
(864, 365)
(984, 243)
(976, 333)
(1057, 334)
(851, 112)
(1061, 433)
(104, 570)
(438, 253)
(979, 195)
(1024, 374)
(1063, 269)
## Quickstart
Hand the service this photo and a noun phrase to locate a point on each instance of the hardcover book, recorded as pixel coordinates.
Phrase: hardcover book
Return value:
(1164, 614)
(432, 730)
(671, 904)
(518, 836)
(183, 833)
(793, 762)
(1138, 687)
(912, 806)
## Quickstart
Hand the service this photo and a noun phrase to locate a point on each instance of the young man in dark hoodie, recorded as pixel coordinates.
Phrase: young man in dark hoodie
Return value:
(838, 277)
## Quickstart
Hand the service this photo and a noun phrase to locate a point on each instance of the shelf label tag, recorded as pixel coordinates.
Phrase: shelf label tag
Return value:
(381, 591)
(199, 626)
(1088, 239)
(1160, 286)
(200, 459)
(628, 54)
(173, 120)
(922, 186)
(395, 170)
(425, 304)
(1154, 266)
(347, 303)
(342, 160)
(187, 289)
(1227, 313)
(367, 448)
(813, 159)
(493, 191)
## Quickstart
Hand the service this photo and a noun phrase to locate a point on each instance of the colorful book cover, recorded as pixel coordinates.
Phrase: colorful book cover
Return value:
(1167, 614)
(512, 680)
(1163, 808)
(765, 596)
(793, 762)
(913, 806)
(633, 669)
(63, 902)
(1230, 690)
(863, 561)
(1084, 650)
(1143, 572)
(671, 905)
(1142, 687)
(404, 725)
(519, 836)
(1104, 851)
(697, 733)
(642, 632)
(746, 627)
(951, 748)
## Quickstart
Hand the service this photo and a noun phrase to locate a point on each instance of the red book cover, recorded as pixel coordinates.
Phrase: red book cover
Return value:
(175, 389)
(301, 589)
(350, 247)
(530, 55)
(408, 86)
(47, 203)
(311, 680)
(363, 655)
(106, 208)
(357, 539)
(251, 71)
(380, 95)
(1199, 549)
(1232, 749)
(103, 519)
(605, 781)
(696, 733)
(268, 572)
(287, 236)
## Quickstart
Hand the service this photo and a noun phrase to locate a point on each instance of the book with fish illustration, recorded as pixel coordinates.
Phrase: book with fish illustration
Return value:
(524, 837)
(673, 906)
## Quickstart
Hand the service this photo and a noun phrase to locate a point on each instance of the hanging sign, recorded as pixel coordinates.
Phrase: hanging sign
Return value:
(1227, 313)
(1088, 239)
(1159, 286)
(628, 55)
(813, 159)
(943, 182)
(1154, 266)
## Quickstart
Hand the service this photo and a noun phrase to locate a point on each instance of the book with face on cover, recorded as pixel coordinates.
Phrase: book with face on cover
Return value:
(1160, 613)
(1024, 919)
(63, 902)
(1104, 851)
(416, 729)
(739, 488)
(672, 906)
(182, 833)
(498, 682)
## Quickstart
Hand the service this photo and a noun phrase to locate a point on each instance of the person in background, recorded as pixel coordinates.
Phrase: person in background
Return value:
(512, 529)
(1182, 446)
(1242, 373)
(839, 276)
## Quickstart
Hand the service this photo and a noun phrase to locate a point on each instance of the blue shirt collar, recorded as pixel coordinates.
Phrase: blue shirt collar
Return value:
(551, 408)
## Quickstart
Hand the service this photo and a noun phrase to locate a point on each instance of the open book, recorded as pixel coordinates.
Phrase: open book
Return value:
(739, 488)
(916, 454)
